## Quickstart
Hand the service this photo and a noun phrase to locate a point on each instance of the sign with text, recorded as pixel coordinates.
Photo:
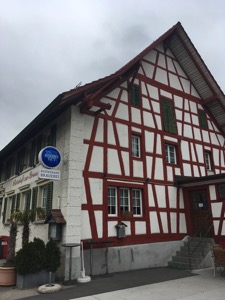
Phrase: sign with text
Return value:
(49, 174)
(49, 157)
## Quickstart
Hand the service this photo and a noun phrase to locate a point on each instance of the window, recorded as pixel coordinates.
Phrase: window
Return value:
(135, 146)
(208, 161)
(202, 119)
(36, 146)
(222, 191)
(112, 201)
(168, 115)
(20, 161)
(124, 199)
(135, 98)
(170, 154)
(26, 200)
(129, 201)
(45, 200)
(51, 138)
(137, 208)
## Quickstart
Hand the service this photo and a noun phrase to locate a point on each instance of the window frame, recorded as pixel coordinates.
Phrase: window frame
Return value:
(203, 123)
(127, 207)
(208, 161)
(220, 196)
(168, 154)
(168, 116)
(135, 95)
(109, 197)
(136, 152)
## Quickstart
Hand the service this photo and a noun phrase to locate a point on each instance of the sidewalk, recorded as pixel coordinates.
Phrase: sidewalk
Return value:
(156, 283)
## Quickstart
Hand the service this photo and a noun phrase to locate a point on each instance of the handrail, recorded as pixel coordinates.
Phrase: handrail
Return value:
(189, 243)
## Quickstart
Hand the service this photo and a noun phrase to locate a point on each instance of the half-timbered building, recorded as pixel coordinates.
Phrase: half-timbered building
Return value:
(143, 161)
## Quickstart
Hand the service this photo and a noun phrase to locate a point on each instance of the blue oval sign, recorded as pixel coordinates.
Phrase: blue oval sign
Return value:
(49, 157)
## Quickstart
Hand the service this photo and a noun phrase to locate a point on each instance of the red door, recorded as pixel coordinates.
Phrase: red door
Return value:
(200, 216)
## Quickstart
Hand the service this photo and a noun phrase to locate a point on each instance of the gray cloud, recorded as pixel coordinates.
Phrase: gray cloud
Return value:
(49, 46)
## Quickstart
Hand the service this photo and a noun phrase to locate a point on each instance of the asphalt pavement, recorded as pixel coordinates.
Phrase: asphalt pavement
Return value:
(154, 283)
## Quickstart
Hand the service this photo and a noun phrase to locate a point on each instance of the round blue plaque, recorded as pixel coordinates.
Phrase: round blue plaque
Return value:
(49, 157)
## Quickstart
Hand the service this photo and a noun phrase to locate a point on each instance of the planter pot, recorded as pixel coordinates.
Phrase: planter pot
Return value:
(32, 280)
(7, 276)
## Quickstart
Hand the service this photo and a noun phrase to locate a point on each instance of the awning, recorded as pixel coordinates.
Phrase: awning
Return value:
(187, 181)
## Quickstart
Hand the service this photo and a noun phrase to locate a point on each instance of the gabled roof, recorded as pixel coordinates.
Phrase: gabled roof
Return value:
(183, 49)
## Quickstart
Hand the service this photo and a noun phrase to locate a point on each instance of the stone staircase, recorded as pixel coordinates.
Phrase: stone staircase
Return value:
(199, 248)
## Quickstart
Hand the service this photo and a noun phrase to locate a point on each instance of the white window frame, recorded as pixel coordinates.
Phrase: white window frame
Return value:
(208, 161)
(44, 196)
(136, 146)
(24, 200)
(171, 155)
(112, 201)
(139, 201)
(124, 199)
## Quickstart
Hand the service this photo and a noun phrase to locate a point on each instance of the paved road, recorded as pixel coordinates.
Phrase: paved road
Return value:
(154, 284)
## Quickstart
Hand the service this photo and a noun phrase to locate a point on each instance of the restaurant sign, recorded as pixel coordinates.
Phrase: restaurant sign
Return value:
(49, 174)
(49, 157)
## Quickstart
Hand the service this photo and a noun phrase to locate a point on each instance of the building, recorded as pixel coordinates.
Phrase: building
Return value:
(142, 161)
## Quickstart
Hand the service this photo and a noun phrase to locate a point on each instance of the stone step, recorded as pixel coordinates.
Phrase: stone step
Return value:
(186, 254)
(197, 249)
(181, 266)
(195, 260)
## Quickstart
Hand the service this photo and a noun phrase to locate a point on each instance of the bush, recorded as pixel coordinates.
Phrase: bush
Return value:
(53, 255)
(35, 256)
(31, 258)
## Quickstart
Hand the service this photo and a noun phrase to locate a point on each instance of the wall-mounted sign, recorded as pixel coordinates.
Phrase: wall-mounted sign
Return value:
(49, 174)
(49, 157)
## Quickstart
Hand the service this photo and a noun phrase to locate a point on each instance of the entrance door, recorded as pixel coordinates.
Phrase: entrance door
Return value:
(200, 213)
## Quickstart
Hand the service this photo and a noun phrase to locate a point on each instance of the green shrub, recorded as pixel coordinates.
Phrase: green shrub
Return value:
(53, 255)
(31, 258)
(35, 256)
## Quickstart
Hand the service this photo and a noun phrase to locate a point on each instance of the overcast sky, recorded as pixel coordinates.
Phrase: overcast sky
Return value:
(49, 46)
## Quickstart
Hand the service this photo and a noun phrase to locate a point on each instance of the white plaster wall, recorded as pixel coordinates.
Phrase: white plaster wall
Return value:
(96, 190)
(161, 195)
(148, 119)
(122, 131)
(136, 115)
(140, 227)
(151, 201)
(148, 69)
(153, 92)
(99, 133)
(86, 230)
(159, 174)
(126, 163)
(99, 223)
(113, 162)
(216, 209)
(122, 112)
(96, 163)
(138, 168)
(110, 134)
(182, 223)
(163, 216)
(154, 224)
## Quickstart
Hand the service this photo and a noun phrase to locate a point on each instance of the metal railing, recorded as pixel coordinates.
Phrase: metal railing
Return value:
(198, 234)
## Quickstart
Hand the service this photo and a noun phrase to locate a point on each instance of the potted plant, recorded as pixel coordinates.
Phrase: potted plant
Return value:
(30, 263)
(7, 271)
(35, 262)
(53, 256)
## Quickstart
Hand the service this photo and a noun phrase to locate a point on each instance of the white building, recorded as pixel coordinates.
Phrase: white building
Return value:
(144, 146)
